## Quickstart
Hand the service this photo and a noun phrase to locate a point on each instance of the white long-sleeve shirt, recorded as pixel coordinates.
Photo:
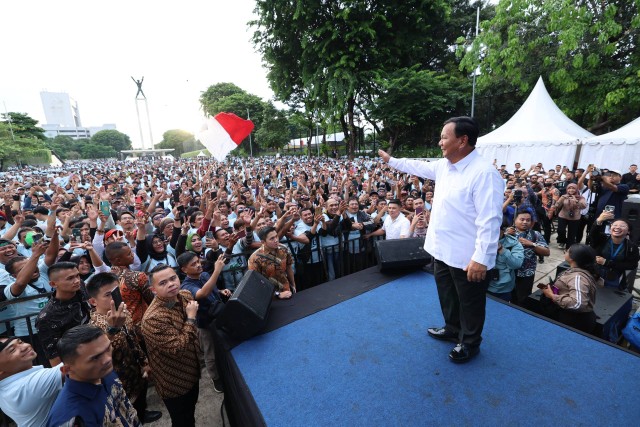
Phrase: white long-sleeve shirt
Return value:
(466, 211)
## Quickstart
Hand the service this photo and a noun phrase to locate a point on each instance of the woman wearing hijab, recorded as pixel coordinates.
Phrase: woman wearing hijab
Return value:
(568, 207)
(153, 250)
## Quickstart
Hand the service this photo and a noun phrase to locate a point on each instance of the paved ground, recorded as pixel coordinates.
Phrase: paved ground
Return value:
(208, 409)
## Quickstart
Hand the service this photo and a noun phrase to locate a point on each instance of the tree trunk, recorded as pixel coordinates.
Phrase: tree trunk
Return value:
(392, 144)
(351, 102)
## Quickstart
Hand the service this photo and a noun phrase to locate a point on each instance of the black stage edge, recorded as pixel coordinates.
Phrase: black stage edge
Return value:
(240, 406)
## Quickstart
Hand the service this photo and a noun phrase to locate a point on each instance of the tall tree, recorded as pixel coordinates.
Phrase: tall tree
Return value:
(333, 52)
(414, 103)
(274, 132)
(15, 149)
(585, 50)
(229, 98)
(180, 140)
(112, 138)
(23, 126)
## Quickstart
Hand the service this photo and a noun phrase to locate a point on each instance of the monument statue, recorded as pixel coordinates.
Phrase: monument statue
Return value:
(139, 84)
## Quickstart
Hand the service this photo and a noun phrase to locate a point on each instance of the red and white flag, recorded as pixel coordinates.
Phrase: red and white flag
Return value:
(223, 133)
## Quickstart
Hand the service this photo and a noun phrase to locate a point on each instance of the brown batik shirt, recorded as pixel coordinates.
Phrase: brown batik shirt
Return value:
(172, 345)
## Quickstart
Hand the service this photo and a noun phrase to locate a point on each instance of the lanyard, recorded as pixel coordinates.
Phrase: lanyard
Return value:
(614, 254)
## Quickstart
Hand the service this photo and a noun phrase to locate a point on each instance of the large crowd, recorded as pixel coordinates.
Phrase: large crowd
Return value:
(127, 264)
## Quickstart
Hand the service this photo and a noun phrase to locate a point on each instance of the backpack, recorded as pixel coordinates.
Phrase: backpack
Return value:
(631, 331)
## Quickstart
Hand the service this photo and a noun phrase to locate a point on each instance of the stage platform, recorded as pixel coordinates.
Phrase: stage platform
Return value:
(355, 352)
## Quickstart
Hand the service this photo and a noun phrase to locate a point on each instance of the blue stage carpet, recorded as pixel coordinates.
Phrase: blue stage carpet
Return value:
(369, 362)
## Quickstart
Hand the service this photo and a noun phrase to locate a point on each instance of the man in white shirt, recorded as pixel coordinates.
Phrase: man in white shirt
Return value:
(27, 392)
(463, 231)
(395, 225)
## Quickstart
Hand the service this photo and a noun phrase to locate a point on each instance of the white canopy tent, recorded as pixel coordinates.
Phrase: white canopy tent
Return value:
(614, 150)
(538, 132)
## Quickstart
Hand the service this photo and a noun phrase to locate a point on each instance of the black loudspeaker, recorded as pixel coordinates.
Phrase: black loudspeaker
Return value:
(631, 212)
(246, 312)
(401, 254)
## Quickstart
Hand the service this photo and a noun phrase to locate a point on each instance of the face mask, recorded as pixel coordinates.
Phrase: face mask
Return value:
(548, 184)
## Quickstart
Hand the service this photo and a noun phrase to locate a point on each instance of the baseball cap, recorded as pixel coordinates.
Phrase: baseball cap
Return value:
(615, 171)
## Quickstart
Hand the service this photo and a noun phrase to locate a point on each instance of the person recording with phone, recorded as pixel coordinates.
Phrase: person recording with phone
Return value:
(568, 207)
(517, 200)
(615, 252)
(129, 360)
(535, 246)
(611, 191)
(573, 293)
(420, 219)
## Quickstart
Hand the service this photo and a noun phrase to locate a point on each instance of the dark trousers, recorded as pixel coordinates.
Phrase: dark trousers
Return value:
(585, 222)
(568, 231)
(140, 405)
(522, 290)
(462, 303)
(182, 409)
(545, 224)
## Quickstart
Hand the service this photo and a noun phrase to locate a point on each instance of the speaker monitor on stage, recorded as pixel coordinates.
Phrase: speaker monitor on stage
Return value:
(399, 254)
(246, 312)
(631, 212)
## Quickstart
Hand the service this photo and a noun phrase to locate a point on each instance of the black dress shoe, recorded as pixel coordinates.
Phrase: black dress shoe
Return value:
(151, 416)
(463, 353)
(442, 334)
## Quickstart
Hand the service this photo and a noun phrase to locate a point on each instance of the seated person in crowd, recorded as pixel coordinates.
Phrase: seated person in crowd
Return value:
(574, 291)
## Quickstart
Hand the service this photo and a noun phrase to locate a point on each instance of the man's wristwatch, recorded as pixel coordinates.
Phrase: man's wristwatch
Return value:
(277, 294)
(112, 330)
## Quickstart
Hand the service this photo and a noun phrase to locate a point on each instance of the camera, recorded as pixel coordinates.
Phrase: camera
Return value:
(517, 197)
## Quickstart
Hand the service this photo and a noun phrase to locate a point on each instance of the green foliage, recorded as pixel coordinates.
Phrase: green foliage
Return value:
(274, 132)
(180, 140)
(96, 151)
(334, 59)
(18, 149)
(414, 103)
(23, 126)
(118, 141)
(585, 51)
(229, 98)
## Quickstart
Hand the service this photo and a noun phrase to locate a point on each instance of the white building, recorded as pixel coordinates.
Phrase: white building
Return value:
(63, 117)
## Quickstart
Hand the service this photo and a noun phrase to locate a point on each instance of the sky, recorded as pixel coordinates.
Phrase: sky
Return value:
(90, 50)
